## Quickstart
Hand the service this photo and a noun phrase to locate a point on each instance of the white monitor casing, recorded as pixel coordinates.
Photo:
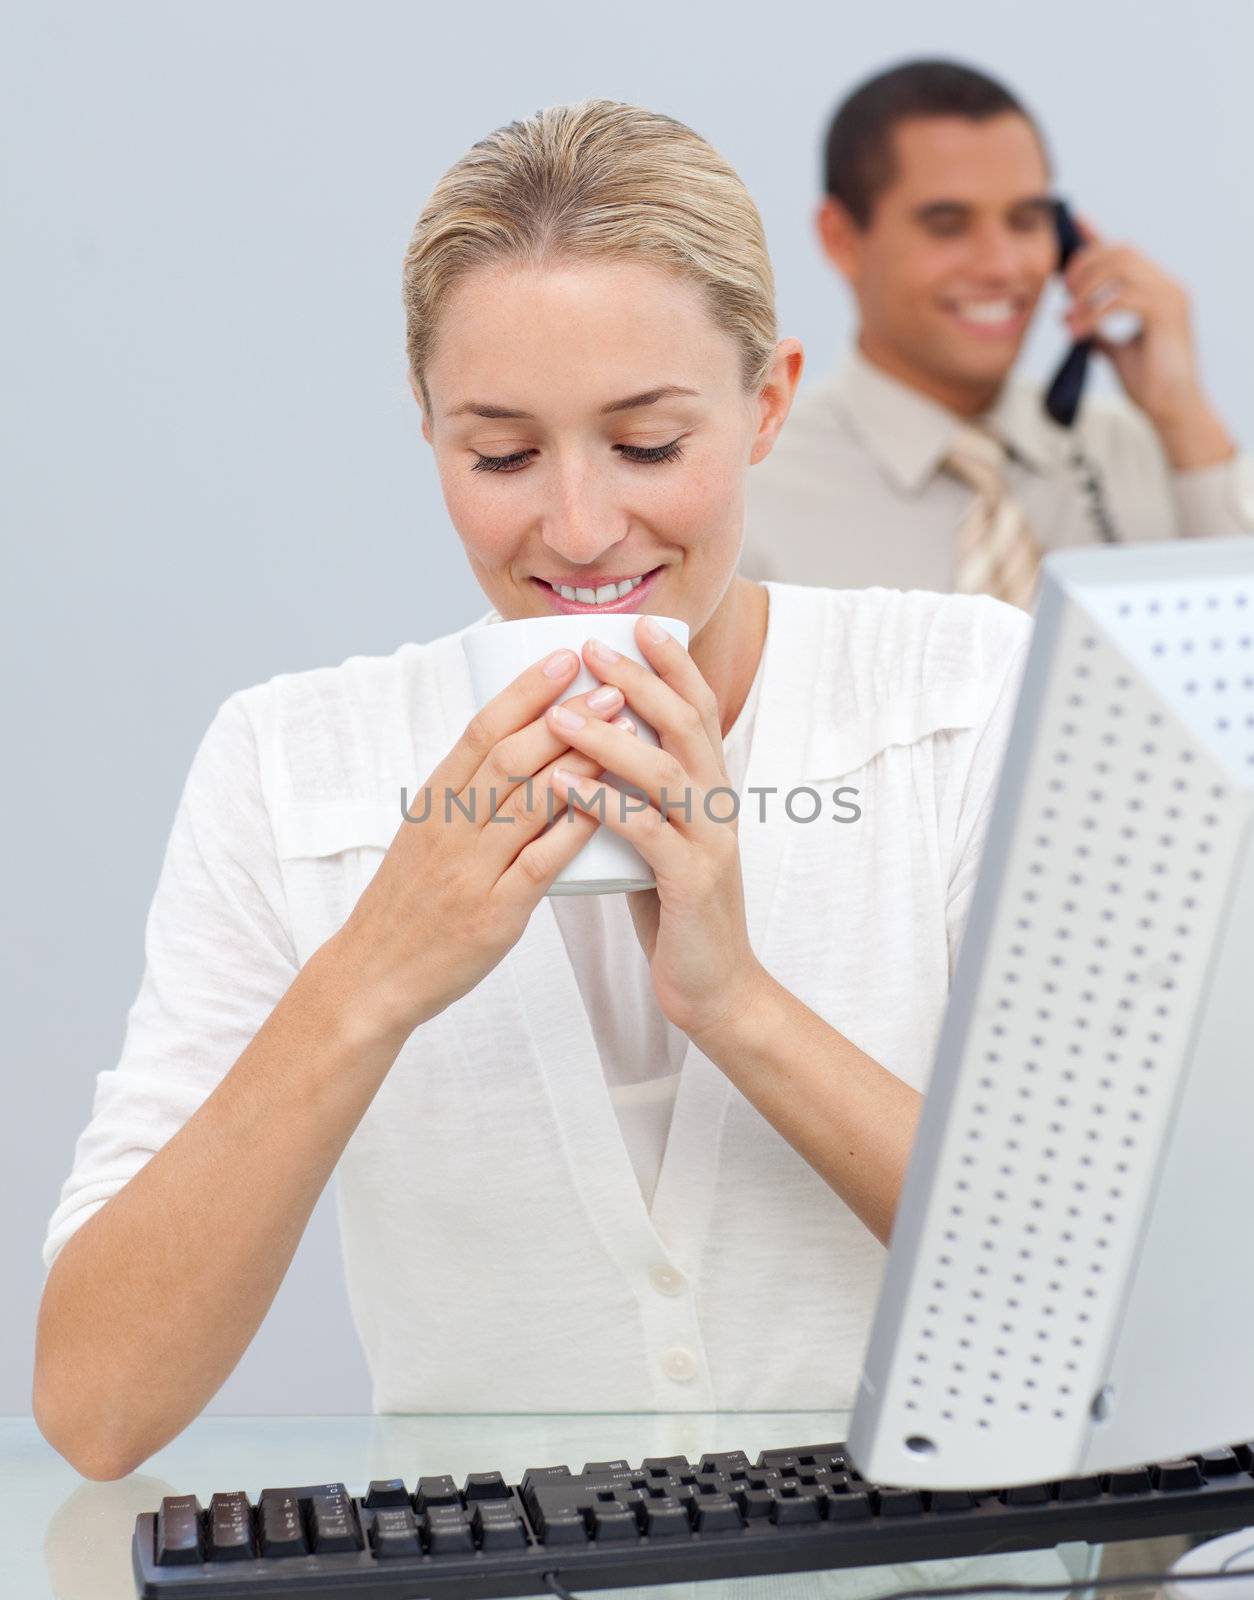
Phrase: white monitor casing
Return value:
(1070, 1283)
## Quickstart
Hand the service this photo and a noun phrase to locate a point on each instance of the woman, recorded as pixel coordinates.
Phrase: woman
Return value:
(621, 1153)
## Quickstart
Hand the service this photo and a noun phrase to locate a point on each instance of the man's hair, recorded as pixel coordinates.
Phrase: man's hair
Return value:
(858, 162)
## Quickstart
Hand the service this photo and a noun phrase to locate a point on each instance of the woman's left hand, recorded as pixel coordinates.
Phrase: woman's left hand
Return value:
(692, 926)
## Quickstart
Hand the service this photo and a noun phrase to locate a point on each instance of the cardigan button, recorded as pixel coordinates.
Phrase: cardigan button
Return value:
(666, 1280)
(679, 1364)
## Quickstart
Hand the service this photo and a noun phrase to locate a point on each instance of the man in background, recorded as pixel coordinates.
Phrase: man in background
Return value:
(920, 463)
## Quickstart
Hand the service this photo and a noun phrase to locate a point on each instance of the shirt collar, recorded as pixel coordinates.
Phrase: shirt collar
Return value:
(909, 434)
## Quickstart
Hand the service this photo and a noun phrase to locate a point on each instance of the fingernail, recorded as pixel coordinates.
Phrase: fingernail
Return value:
(559, 663)
(603, 698)
(625, 723)
(601, 651)
(566, 718)
(655, 630)
(566, 779)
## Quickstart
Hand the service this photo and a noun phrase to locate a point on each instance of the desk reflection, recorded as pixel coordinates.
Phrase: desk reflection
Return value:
(87, 1546)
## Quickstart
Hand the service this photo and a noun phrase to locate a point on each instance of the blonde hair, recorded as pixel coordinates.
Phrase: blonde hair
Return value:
(595, 180)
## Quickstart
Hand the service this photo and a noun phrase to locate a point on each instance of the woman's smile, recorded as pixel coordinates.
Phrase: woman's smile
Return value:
(605, 594)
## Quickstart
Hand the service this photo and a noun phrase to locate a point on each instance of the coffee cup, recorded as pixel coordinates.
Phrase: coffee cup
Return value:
(497, 652)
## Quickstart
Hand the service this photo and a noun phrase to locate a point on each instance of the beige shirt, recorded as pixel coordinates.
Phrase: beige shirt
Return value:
(853, 494)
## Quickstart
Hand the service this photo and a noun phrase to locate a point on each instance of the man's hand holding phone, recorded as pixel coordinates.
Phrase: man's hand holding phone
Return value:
(1157, 366)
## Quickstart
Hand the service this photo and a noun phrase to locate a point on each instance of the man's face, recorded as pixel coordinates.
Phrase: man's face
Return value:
(956, 252)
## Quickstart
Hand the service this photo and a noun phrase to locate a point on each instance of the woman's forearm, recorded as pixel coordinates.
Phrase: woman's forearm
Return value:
(151, 1303)
(852, 1119)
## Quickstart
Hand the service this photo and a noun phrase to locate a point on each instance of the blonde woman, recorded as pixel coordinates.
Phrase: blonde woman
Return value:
(620, 1153)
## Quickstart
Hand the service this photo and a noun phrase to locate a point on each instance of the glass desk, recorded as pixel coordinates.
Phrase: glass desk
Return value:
(64, 1537)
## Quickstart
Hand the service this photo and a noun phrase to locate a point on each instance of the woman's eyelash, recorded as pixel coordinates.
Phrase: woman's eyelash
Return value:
(499, 463)
(511, 463)
(657, 452)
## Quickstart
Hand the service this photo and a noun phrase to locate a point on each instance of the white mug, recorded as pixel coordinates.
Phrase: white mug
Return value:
(498, 652)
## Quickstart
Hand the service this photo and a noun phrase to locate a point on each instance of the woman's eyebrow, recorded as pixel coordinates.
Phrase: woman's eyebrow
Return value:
(649, 397)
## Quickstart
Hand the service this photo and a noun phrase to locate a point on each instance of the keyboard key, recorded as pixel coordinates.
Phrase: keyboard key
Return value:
(613, 1522)
(485, 1486)
(394, 1533)
(1218, 1463)
(685, 1493)
(303, 1494)
(386, 1492)
(534, 1477)
(1130, 1480)
(437, 1492)
(1178, 1475)
(333, 1519)
(231, 1528)
(279, 1526)
(819, 1455)
(952, 1500)
(901, 1502)
(606, 1469)
(754, 1503)
(663, 1519)
(1080, 1488)
(792, 1508)
(1027, 1494)
(449, 1531)
(562, 1527)
(852, 1507)
(725, 1462)
(497, 1526)
(179, 1542)
(665, 1466)
(717, 1513)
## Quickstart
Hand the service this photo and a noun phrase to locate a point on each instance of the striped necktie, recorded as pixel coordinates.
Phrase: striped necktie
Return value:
(996, 553)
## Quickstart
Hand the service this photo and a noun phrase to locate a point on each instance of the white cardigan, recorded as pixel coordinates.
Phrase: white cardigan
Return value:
(498, 1251)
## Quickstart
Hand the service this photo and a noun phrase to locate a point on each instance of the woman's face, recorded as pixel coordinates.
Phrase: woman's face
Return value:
(590, 426)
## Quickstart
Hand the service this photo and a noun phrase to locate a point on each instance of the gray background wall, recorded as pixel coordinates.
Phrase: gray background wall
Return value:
(212, 464)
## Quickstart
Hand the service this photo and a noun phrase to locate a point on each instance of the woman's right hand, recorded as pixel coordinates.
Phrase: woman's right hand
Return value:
(452, 895)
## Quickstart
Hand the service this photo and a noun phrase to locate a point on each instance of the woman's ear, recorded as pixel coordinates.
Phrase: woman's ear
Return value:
(422, 408)
(776, 396)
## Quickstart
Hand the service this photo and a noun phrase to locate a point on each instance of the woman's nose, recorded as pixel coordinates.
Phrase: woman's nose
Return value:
(581, 521)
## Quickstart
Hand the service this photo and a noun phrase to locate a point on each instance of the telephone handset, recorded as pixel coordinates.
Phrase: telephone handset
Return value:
(1062, 398)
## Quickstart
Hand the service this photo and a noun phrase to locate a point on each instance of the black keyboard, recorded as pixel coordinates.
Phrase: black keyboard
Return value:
(664, 1521)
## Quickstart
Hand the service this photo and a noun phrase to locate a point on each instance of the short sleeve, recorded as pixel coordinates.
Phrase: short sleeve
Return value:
(976, 769)
(218, 956)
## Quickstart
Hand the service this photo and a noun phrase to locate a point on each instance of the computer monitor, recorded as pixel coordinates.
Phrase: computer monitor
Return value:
(1070, 1281)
